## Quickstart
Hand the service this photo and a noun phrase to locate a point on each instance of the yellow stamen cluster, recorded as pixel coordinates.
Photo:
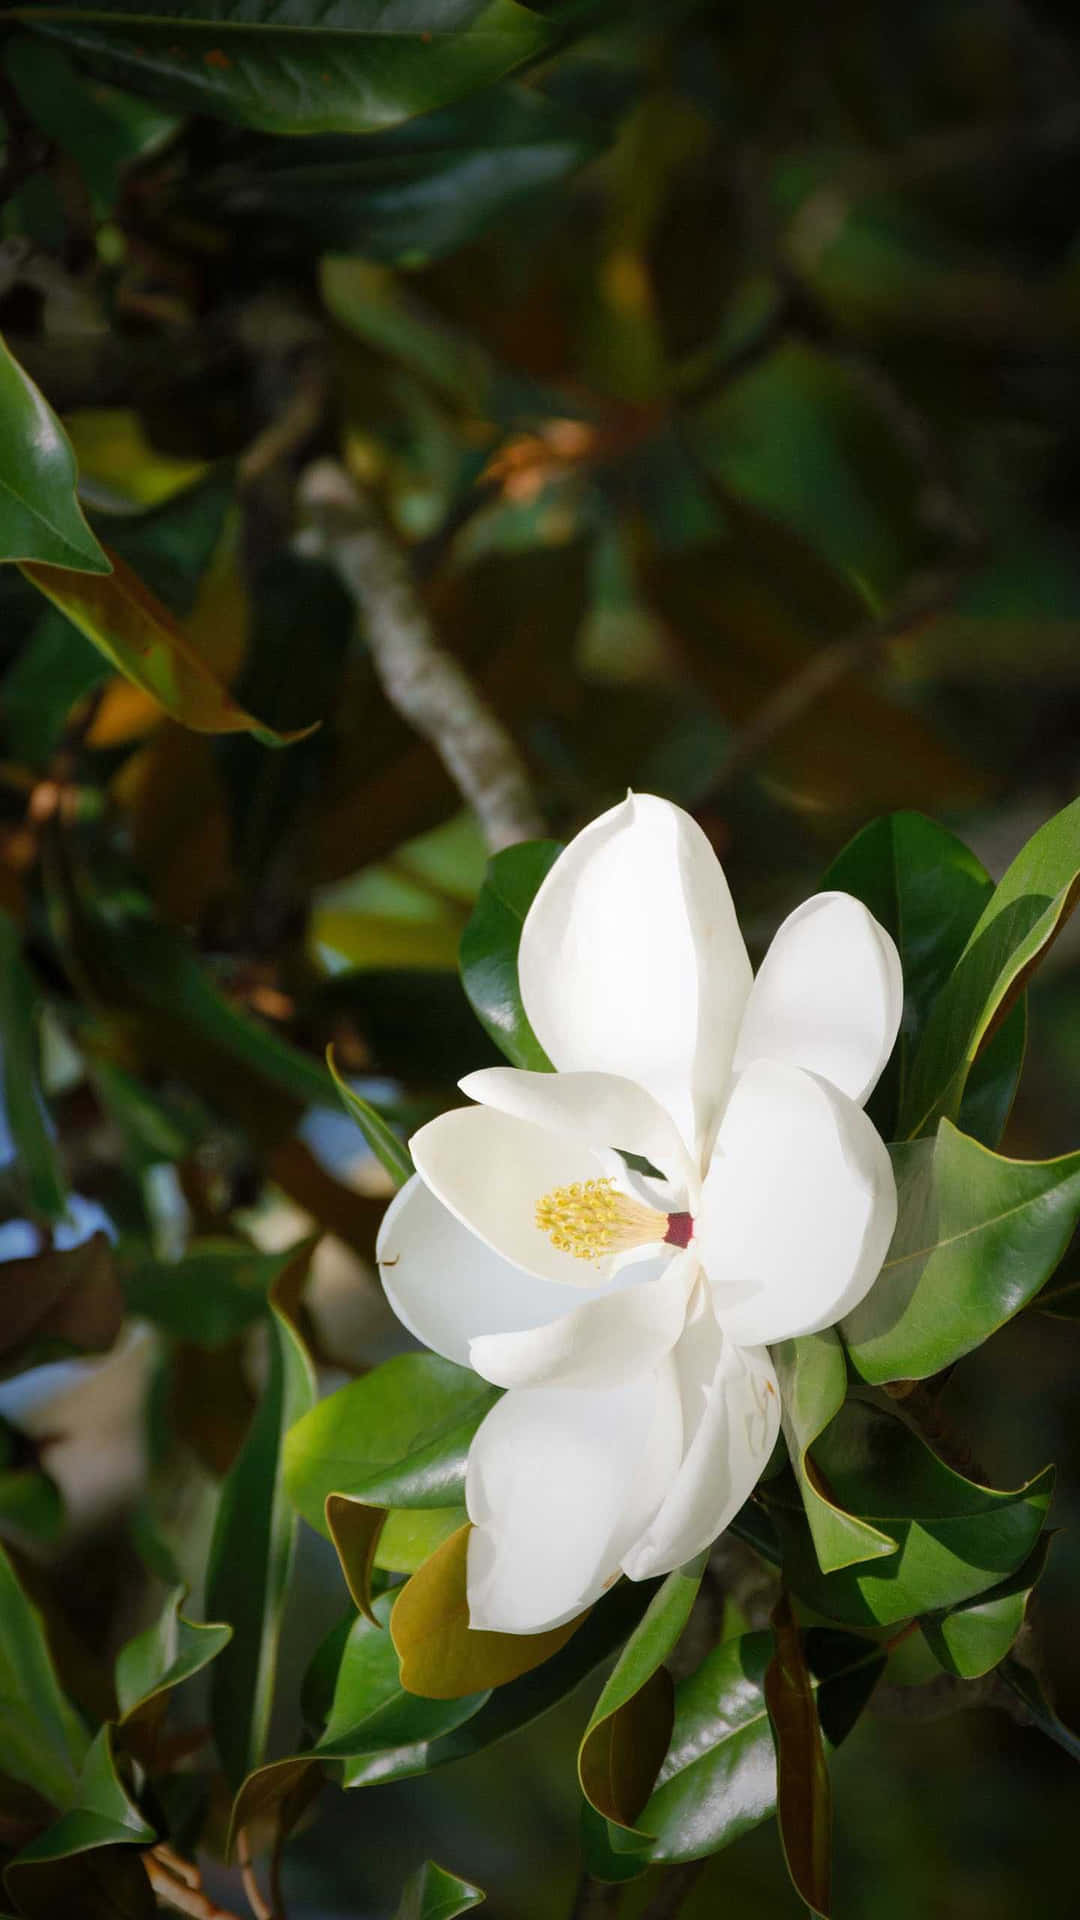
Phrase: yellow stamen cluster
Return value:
(592, 1218)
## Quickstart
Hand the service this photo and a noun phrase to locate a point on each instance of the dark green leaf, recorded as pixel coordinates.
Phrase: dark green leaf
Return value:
(45, 1744)
(165, 1655)
(955, 1538)
(39, 1160)
(928, 890)
(99, 1819)
(1023, 1683)
(813, 1384)
(40, 518)
(301, 67)
(31, 1505)
(409, 195)
(102, 131)
(803, 1788)
(489, 948)
(434, 1894)
(972, 1639)
(719, 1777)
(251, 1551)
(1024, 914)
(977, 1236)
(398, 1437)
(385, 1145)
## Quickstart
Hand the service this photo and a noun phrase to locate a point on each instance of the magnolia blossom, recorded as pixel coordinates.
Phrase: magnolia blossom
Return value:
(618, 1242)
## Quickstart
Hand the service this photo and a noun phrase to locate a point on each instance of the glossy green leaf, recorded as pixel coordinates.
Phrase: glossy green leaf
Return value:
(718, 1779)
(409, 195)
(215, 1290)
(928, 890)
(165, 1655)
(431, 1893)
(136, 632)
(972, 1639)
(630, 1726)
(300, 67)
(803, 1788)
(40, 517)
(1024, 914)
(976, 1238)
(65, 1301)
(44, 1742)
(40, 1166)
(955, 1538)
(442, 1657)
(389, 1151)
(366, 1537)
(397, 1437)
(813, 1384)
(489, 948)
(251, 1551)
(371, 1709)
(519, 1701)
(100, 1818)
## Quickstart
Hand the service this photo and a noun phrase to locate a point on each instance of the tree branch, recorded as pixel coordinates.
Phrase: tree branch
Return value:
(427, 686)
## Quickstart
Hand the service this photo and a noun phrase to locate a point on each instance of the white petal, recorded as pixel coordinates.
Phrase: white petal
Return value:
(559, 1483)
(490, 1170)
(595, 1109)
(609, 1340)
(731, 1417)
(828, 997)
(447, 1286)
(798, 1208)
(631, 960)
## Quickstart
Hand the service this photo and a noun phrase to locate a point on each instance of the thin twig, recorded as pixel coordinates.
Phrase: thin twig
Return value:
(924, 601)
(178, 1893)
(426, 685)
(259, 1907)
(298, 420)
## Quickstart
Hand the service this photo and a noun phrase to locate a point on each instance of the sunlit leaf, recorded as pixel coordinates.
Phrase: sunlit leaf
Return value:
(813, 1384)
(977, 1237)
(489, 948)
(385, 1145)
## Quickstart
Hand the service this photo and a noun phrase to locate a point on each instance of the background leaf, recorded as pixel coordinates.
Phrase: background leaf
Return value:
(40, 517)
(309, 72)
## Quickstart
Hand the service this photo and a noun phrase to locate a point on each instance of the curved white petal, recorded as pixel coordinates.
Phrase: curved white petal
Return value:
(631, 960)
(828, 996)
(595, 1109)
(609, 1340)
(490, 1169)
(798, 1207)
(559, 1483)
(731, 1417)
(446, 1286)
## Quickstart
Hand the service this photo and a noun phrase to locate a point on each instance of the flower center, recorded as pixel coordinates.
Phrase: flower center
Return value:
(593, 1218)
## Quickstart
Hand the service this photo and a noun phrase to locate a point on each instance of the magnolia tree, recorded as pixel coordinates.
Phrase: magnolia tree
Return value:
(469, 1298)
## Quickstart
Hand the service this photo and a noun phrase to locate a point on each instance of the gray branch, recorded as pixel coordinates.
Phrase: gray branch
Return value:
(427, 686)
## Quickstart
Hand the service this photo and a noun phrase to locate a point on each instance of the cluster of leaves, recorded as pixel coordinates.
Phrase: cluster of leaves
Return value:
(716, 437)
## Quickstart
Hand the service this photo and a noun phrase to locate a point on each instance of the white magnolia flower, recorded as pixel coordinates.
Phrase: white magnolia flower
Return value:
(629, 1312)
